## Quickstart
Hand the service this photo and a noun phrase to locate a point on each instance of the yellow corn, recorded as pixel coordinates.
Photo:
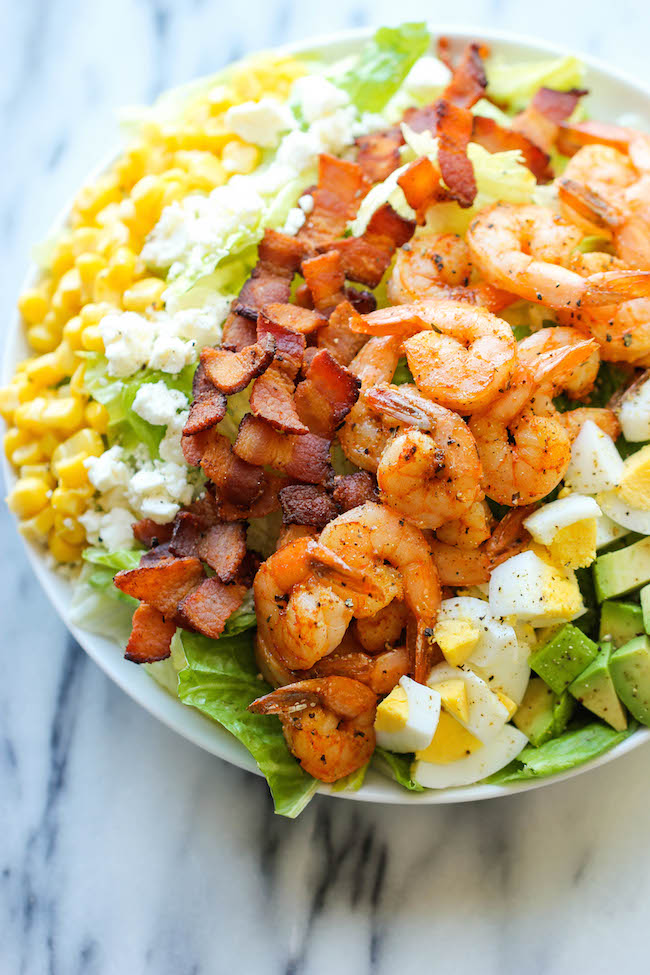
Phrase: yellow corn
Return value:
(66, 300)
(62, 550)
(91, 339)
(105, 290)
(239, 157)
(203, 168)
(37, 527)
(28, 496)
(28, 453)
(72, 472)
(33, 306)
(89, 265)
(13, 439)
(122, 267)
(38, 470)
(87, 441)
(47, 370)
(93, 313)
(8, 401)
(147, 197)
(144, 294)
(97, 417)
(25, 389)
(65, 414)
(68, 501)
(95, 196)
(48, 444)
(63, 256)
(76, 384)
(72, 332)
(43, 337)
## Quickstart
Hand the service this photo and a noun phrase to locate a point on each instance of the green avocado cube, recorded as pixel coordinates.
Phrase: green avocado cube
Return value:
(594, 688)
(565, 656)
(645, 607)
(617, 573)
(630, 670)
(620, 622)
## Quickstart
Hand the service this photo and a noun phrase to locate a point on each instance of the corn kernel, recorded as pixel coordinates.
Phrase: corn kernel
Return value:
(8, 401)
(37, 528)
(72, 332)
(47, 370)
(66, 300)
(122, 267)
(43, 338)
(98, 195)
(65, 414)
(93, 312)
(76, 384)
(105, 290)
(28, 453)
(63, 256)
(25, 389)
(84, 441)
(68, 501)
(28, 496)
(38, 470)
(144, 294)
(29, 415)
(97, 417)
(72, 472)
(33, 306)
(66, 357)
(84, 240)
(69, 529)
(91, 339)
(239, 157)
(61, 550)
(48, 443)
(89, 265)
(14, 438)
(147, 195)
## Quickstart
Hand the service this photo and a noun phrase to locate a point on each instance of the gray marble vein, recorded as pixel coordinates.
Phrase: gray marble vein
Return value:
(123, 848)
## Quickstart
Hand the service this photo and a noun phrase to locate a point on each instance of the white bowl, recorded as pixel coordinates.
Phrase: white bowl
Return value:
(612, 94)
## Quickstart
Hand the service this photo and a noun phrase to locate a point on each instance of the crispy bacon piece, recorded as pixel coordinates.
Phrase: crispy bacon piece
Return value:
(230, 372)
(325, 278)
(422, 187)
(338, 337)
(238, 482)
(148, 533)
(307, 504)
(362, 301)
(539, 121)
(292, 317)
(454, 129)
(557, 106)
(208, 607)
(162, 585)
(238, 332)
(208, 403)
(272, 396)
(573, 135)
(302, 297)
(221, 546)
(495, 138)
(366, 258)
(468, 81)
(306, 458)
(378, 153)
(151, 636)
(278, 260)
(326, 395)
(351, 490)
(267, 502)
(341, 188)
(157, 553)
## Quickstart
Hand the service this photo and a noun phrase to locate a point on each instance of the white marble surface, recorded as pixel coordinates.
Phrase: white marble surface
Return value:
(124, 849)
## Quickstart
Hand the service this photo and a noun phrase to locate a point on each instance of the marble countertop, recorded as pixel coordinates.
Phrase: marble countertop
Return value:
(125, 849)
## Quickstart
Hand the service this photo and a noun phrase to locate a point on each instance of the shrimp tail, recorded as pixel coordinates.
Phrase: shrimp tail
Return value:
(609, 287)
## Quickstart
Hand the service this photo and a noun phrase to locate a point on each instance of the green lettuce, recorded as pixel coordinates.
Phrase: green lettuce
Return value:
(572, 748)
(513, 84)
(383, 64)
(220, 680)
(97, 606)
(396, 767)
(124, 426)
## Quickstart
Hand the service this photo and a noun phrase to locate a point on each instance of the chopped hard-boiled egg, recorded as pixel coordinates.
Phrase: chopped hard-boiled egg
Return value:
(474, 765)
(456, 637)
(453, 695)
(486, 714)
(628, 516)
(634, 410)
(450, 742)
(498, 656)
(535, 590)
(596, 464)
(407, 718)
(569, 528)
(608, 531)
(634, 487)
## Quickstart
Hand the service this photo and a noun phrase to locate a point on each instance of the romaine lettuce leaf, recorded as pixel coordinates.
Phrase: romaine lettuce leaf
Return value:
(352, 782)
(117, 395)
(513, 83)
(572, 748)
(396, 767)
(97, 606)
(220, 680)
(383, 64)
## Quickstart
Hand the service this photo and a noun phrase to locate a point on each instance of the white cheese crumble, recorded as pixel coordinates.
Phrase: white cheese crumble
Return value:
(158, 404)
(261, 123)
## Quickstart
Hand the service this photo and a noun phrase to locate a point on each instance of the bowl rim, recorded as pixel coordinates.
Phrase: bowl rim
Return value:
(136, 682)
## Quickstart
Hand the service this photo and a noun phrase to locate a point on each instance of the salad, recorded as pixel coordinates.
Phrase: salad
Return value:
(337, 413)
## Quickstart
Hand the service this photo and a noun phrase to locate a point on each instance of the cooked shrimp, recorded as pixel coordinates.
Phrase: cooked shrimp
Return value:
(430, 477)
(300, 616)
(439, 266)
(381, 671)
(460, 356)
(607, 420)
(524, 455)
(460, 566)
(526, 249)
(328, 723)
(581, 381)
(373, 534)
(364, 435)
(470, 530)
(385, 628)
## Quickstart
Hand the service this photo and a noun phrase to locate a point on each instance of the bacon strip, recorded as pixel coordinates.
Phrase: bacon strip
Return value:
(230, 372)
(378, 153)
(221, 546)
(540, 119)
(238, 332)
(267, 502)
(338, 337)
(237, 481)
(157, 553)
(366, 258)
(495, 138)
(352, 490)
(468, 81)
(326, 395)
(278, 260)
(307, 504)
(291, 317)
(208, 403)
(422, 187)
(162, 585)
(341, 188)
(148, 533)
(304, 457)
(325, 278)
(207, 608)
(557, 106)
(151, 636)
(454, 128)
(272, 396)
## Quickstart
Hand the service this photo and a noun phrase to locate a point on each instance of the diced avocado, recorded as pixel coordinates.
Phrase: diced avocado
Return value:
(565, 656)
(616, 573)
(594, 688)
(542, 715)
(645, 607)
(620, 622)
(630, 670)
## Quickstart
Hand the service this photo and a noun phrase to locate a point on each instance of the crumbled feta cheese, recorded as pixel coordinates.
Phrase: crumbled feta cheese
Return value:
(427, 76)
(317, 97)
(203, 325)
(158, 404)
(170, 445)
(112, 529)
(171, 354)
(261, 123)
(306, 203)
(159, 509)
(128, 340)
(157, 488)
(295, 219)
(108, 470)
